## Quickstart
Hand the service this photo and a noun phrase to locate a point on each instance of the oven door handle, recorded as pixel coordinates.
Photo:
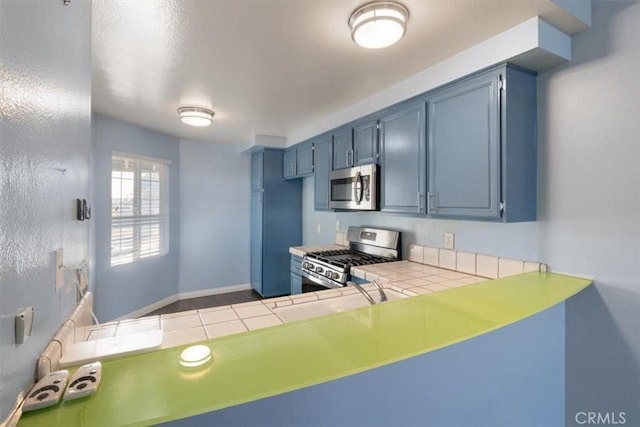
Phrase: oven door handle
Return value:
(358, 188)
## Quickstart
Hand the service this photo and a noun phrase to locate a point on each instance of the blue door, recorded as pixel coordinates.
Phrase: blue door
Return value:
(464, 149)
(322, 170)
(343, 149)
(403, 159)
(365, 143)
(256, 240)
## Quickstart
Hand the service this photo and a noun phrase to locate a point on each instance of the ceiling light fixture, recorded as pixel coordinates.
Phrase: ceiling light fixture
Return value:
(195, 116)
(378, 24)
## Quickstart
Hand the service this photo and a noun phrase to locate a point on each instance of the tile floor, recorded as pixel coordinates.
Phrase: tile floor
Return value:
(207, 302)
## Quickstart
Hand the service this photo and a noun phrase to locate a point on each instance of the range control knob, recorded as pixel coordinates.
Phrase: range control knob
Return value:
(319, 269)
(335, 276)
(308, 265)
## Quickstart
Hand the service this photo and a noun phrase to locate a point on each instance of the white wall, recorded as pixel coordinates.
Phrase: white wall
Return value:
(215, 205)
(589, 209)
(45, 140)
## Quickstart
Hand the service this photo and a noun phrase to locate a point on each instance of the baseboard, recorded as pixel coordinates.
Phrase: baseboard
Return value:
(183, 295)
(214, 291)
(149, 308)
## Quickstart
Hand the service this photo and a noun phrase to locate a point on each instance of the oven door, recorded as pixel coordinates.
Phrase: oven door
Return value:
(318, 279)
(354, 188)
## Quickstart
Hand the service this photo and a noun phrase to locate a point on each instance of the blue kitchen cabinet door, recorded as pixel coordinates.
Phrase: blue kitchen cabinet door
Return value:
(298, 161)
(296, 284)
(464, 149)
(276, 225)
(304, 159)
(256, 171)
(365, 143)
(403, 160)
(323, 156)
(289, 163)
(343, 149)
(256, 241)
(482, 148)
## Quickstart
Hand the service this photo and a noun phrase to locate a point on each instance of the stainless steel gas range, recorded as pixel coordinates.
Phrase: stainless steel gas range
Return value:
(331, 268)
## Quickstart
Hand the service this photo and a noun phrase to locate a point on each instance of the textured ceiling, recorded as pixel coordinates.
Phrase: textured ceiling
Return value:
(267, 67)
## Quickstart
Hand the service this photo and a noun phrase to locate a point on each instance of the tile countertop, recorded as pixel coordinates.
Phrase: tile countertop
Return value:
(408, 278)
(152, 388)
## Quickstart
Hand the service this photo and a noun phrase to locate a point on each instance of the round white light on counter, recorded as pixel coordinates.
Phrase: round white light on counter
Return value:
(195, 356)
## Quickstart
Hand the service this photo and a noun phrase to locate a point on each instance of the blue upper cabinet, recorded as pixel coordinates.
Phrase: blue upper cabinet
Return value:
(482, 147)
(304, 156)
(298, 161)
(403, 159)
(323, 156)
(343, 149)
(365, 143)
(356, 146)
(464, 149)
(289, 163)
(257, 178)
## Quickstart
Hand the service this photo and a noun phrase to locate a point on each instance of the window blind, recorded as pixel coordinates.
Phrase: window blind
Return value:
(139, 208)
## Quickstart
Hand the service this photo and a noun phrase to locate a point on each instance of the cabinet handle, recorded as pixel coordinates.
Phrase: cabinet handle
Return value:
(347, 157)
(432, 200)
(419, 200)
(295, 168)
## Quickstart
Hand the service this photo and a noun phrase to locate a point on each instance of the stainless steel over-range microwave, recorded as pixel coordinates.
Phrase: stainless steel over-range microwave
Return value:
(354, 188)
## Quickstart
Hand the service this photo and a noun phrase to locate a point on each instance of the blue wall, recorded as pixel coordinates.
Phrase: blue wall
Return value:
(506, 378)
(214, 223)
(588, 204)
(45, 134)
(125, 288)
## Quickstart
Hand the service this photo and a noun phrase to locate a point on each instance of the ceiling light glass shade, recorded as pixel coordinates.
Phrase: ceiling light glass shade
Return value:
(195, 116)
(378, 24)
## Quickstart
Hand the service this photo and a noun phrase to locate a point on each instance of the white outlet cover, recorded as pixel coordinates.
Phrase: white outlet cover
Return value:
(318, 229)
(337, 225)
(449, 240)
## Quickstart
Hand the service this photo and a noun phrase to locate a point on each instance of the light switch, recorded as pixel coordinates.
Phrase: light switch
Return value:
(59, 268)
(24, 325)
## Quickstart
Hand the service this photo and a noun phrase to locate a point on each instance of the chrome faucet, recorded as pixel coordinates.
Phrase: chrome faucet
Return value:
(362, 291)
(383, 296)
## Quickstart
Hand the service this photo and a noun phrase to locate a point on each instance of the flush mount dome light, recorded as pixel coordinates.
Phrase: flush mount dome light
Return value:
(378, 24)
(195, 116)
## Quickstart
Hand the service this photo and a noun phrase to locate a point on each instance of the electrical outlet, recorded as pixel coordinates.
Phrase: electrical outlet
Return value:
(337, 225)
(59, 268)
(318, 229)
(449, 240)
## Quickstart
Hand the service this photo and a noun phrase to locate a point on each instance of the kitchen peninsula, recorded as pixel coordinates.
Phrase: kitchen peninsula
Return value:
(500, 342)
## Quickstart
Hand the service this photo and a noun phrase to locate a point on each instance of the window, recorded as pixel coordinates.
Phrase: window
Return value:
(139, 208)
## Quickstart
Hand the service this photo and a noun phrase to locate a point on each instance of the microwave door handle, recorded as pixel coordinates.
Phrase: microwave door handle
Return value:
(358, 188)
